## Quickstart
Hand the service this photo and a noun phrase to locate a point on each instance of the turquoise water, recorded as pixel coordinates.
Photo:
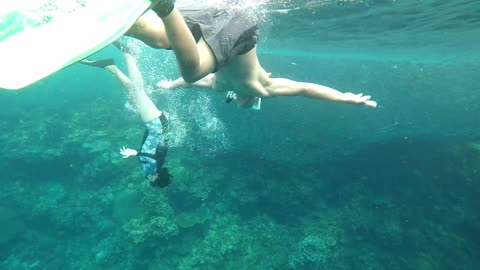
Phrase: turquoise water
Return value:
(301, 184)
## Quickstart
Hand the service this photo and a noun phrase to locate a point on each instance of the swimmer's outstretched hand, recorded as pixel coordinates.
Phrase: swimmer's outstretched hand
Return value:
(127, 152)
(359, 99)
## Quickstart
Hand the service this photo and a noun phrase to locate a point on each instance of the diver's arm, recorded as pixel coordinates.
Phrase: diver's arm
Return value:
(205, 82)
(286, 87)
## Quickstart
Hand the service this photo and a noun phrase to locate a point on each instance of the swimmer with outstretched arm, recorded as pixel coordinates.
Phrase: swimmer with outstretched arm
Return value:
(217, 49)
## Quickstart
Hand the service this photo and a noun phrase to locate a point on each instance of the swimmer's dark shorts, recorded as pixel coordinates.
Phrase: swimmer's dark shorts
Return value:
(228, 32)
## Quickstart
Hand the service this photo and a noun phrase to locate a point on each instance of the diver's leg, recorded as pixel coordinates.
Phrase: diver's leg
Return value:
(194, 61)
(149, 28)
(122, 78)
(133, 85)
(109, 65)
(144, 105)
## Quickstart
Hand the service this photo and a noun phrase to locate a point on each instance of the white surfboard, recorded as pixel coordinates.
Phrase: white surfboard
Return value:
(31, 50)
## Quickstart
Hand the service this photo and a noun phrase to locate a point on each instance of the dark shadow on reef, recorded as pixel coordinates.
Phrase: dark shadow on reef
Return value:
(399, 198)
(417, 196)
(420, 172)
(424, 169)
(254, 185)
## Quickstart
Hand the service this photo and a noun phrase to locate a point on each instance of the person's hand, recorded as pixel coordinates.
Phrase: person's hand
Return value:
(127, 152)
(359, 99)
(231, 96)
(165, 84)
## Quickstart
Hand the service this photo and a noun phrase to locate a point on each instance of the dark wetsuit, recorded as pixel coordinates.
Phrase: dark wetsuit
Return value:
(229, 32)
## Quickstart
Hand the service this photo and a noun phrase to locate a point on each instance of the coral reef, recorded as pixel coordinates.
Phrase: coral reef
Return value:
(311, 253)
(143, 229)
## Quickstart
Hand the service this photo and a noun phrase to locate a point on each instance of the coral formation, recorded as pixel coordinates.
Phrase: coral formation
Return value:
(311, 253)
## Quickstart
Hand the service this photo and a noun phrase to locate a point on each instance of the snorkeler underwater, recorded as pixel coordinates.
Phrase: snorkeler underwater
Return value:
(230, 134)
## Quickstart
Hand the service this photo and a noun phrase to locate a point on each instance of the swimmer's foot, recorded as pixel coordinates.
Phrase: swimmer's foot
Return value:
(163, 7)
(98, 63)
(231, 96)
(122, 47)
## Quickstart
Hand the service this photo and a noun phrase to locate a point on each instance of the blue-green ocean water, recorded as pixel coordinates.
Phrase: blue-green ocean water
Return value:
(301, 184)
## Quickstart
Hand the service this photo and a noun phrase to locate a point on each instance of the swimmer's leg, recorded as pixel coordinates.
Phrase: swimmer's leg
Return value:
(149, 28)
(195, 62)
(109, 65)
(144, 105)
(133, 85)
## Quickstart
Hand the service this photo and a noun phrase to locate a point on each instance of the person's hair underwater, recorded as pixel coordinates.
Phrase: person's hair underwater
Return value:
(163, 178)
